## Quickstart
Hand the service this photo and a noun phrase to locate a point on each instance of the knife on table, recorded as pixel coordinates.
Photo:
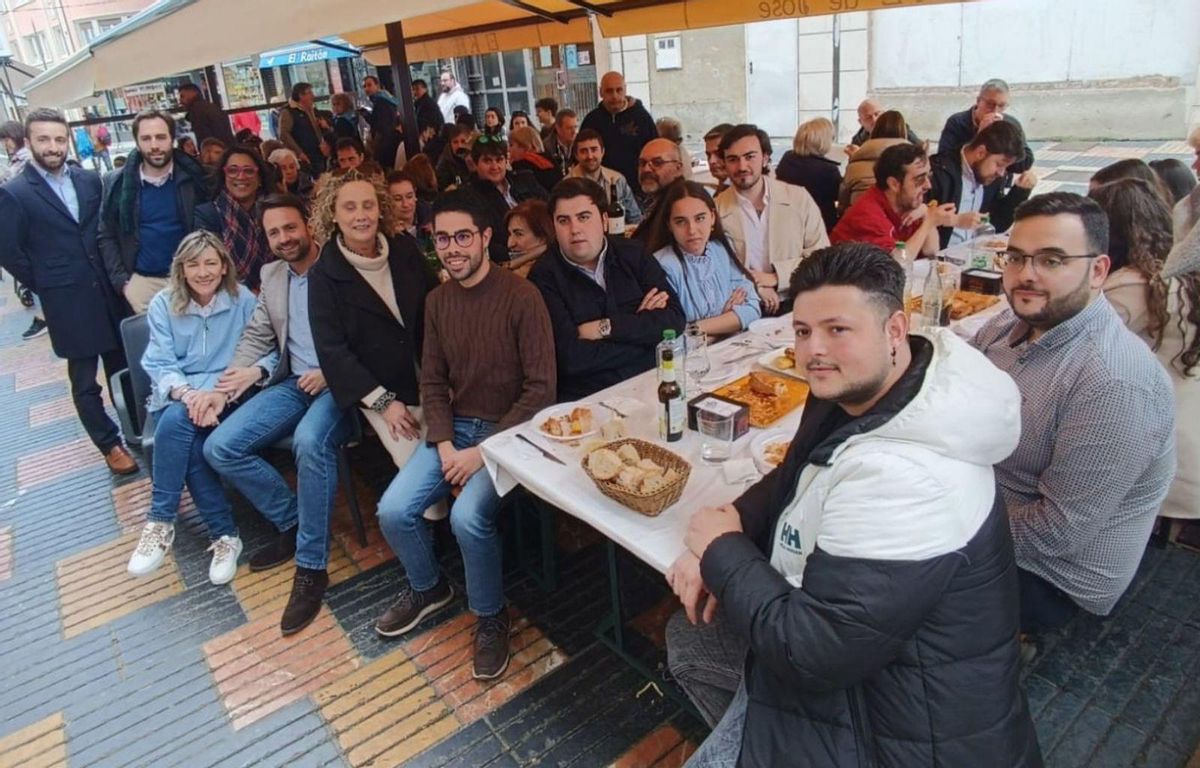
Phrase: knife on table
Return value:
(541, 450)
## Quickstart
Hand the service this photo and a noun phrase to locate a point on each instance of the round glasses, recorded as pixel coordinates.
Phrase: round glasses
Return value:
(462, 238)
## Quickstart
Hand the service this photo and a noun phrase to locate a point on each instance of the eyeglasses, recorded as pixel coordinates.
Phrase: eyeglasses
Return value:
(657, 162)
(241, 171)
(462, 238)
(1044, 262)
(487, 138)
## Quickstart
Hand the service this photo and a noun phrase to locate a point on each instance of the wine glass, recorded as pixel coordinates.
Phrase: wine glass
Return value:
(696, 355)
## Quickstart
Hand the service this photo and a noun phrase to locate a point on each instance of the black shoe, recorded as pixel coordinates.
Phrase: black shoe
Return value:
(411, 607)
(278, 552)
(26, 297)
(308, 587)
(36, 328)
(491, 646)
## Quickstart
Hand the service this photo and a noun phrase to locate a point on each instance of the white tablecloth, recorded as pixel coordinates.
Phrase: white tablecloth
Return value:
(655, 540)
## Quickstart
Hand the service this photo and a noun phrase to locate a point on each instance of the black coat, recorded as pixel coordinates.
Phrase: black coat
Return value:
(522, 187)
(625, 133)
(428, 112)
(821, 176)
(359, 343)
(208, 121)
(120, 217)
(960, 129)
(573, 298)
(871, 662)
(59, 259)
(945, 180)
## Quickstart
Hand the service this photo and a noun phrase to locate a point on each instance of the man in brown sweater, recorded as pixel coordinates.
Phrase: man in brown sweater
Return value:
(488, 364)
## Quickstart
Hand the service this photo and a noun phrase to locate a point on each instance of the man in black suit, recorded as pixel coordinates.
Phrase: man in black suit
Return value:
(49, 216)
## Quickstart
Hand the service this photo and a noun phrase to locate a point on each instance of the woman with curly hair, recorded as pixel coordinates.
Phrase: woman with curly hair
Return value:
(1165, 314)
(367, 308)
(243, 177)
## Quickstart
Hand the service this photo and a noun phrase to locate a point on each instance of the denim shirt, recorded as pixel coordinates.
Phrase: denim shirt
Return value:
(711, 278)
(194, 347)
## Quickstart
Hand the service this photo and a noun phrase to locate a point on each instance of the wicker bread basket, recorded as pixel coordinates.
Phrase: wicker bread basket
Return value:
(649, 504)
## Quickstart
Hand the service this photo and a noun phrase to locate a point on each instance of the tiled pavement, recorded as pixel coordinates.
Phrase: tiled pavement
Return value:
(97, 669)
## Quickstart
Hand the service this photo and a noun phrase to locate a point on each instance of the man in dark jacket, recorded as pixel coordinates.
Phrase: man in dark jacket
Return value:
(426, 108)
(148, 209)
(48, 221)
(973, 179)
(500, 189)
(382, 121)
(452, 167)
(990, 106)
(206, 119)
(608, 303)
(301, 131)
(625, 125)
(866, 588)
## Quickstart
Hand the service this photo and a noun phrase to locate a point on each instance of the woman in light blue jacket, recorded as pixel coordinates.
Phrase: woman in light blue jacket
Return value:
(195, 323)
(716, 291)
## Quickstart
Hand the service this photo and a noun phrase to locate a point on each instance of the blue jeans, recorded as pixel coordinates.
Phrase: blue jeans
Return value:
(179, 459)
(317, 427)
(420, 484)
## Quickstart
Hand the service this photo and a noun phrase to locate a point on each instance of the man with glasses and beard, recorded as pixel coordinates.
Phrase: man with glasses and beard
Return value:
(150, 206)
(487, 365)
(861, 598)
(49, 216)
(1096, 455)
(277, 353)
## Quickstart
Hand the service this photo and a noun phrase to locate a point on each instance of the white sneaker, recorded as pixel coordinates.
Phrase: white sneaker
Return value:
(224, 560)
(152, 548)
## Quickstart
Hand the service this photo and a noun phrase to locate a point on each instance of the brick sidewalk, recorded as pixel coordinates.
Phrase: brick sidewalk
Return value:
(100, 669)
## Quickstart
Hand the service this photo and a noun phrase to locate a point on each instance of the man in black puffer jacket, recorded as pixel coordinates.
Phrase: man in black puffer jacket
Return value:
(866, 587)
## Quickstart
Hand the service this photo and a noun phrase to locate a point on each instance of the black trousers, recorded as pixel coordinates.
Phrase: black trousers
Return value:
(86, 393)
(1044, 607)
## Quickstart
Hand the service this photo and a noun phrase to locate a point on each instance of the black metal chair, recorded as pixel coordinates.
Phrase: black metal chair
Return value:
(130, 389)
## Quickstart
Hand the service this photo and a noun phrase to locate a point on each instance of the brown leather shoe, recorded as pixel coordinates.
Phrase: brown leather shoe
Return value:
(119, 461)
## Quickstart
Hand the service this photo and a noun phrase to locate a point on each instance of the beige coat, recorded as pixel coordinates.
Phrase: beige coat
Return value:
(794, 227)
(267, 329)
(1126, 291)
(860, 171)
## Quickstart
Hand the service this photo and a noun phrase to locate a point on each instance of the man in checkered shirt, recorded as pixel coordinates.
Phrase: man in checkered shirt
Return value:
(1097, 451)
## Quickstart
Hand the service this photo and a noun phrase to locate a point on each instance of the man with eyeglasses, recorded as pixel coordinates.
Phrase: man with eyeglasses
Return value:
(658, 165)
(772, 225)
(1097, 451)
(609, 302)
(499, 188)
(990, 105)
(487, 365)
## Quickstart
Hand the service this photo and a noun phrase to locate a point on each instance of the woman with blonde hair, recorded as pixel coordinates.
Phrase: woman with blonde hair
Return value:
(806, 165)
(367, 307)
(890, 129)
(195, 324)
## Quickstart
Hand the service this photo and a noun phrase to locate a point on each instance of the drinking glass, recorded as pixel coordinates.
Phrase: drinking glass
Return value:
(696, 354)
(717, 431)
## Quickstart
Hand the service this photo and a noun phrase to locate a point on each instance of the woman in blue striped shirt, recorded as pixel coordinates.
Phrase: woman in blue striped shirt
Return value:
(716, 291)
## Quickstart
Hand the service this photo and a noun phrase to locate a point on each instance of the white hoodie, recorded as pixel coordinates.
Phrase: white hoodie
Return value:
(922, 484)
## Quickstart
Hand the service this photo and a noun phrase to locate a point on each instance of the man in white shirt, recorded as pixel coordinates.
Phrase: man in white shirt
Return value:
(772, 225)
(452, 96)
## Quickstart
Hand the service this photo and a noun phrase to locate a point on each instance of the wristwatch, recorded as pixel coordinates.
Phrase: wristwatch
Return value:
(605, 327)
(383, 401)
(262, 377)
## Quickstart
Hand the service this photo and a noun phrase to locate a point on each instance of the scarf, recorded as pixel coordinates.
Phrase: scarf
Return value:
(246, 241)
(124, 198)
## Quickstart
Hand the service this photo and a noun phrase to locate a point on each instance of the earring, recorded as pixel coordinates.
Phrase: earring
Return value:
(893, 357)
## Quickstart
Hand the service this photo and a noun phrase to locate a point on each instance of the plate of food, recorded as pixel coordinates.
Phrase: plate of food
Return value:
(782, 361)
(964, 304)
(768, 396)
(769, 448)
(570, 421)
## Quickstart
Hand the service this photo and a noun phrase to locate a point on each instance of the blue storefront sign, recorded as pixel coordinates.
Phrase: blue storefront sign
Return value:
(307, 52)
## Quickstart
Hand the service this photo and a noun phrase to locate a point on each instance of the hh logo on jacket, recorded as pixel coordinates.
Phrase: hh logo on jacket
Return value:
(789, 538)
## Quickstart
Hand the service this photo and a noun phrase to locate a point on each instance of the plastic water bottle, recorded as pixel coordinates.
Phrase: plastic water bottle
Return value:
(673, 342)
(900, 254)
(981, 254)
